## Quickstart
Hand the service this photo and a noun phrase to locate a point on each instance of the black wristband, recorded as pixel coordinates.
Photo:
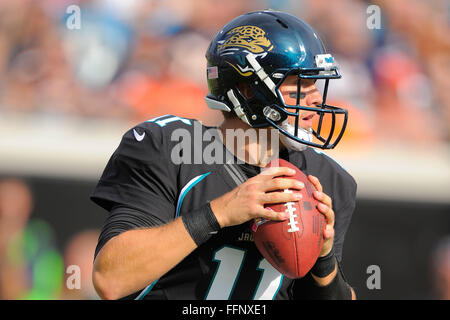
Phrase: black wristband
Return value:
(324, 265)
(337, 289)
(201, 224)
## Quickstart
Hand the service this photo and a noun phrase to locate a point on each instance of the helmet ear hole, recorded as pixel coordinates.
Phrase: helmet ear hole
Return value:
(246, 90)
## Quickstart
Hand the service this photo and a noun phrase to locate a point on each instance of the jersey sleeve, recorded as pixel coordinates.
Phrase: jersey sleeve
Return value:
(140, 175)
(121, 219)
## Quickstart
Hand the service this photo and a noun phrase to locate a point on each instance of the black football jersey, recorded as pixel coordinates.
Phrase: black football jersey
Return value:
(163, 168)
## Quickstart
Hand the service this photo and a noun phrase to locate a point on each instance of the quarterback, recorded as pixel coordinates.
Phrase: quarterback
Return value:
(179, 228)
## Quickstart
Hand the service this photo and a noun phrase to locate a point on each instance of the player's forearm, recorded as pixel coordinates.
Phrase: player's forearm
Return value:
(136, 258)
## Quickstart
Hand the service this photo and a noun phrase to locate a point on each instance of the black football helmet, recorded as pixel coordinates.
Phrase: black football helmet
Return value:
(261, 49)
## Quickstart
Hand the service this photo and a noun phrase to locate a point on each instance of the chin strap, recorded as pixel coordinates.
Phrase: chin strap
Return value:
(302, 134)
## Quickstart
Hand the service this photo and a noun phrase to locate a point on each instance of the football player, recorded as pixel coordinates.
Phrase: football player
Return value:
(179, 224)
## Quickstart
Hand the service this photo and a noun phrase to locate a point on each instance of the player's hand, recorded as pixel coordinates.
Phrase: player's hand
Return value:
(326, 208)
(246, 201)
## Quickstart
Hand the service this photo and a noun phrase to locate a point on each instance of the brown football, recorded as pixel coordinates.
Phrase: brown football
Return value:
(292, 246)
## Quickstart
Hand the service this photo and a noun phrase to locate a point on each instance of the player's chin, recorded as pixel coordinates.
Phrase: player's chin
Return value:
(306, 124)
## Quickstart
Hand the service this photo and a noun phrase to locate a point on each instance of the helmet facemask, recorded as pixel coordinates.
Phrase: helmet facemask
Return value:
(267, 107)
(328, 128)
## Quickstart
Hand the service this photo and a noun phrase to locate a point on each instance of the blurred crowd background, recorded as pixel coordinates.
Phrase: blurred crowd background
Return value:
(134, 59)
(137, 59)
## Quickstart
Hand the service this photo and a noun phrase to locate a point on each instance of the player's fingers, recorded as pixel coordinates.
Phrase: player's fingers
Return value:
(281, 197)
(328, 232)
(323, 197)
(327, 212)
(272, 172)
(315, 181)
(281, 184)
(269, 214)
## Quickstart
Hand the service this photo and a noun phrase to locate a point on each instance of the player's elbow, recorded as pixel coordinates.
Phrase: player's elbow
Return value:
(104, 284)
